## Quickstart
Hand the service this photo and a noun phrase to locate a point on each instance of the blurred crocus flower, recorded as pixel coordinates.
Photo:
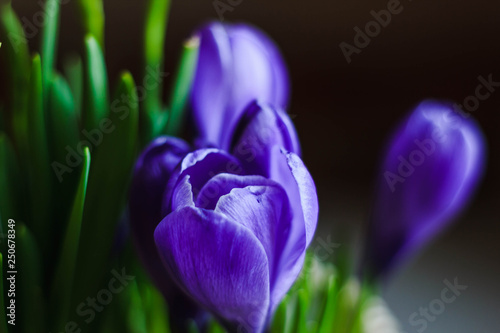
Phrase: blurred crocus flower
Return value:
(431, 168)
(152, 171)
(236, 65)
(236, 225)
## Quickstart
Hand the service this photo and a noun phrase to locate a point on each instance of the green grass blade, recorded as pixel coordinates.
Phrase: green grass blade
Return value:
(280, 317)
(49, 43)
(92, 13)
(326, 323)
(39, 163)
(17, 60)
(96, 101)
(182, 85)
(112, 166)
(301, 311)
(215, 327)
(9, 183)
(73, 70)
(347, 306)
(156, 28)
(62, 124)
(156, 310)
(154, 41)
(136, 316)
(62, 287)
(30, 302)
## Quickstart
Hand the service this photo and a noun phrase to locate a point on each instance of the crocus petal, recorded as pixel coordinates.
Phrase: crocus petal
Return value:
(237, 64)
(183, 194)
(260, 129)
(432, 166)
(289, 171)
(266, 211)
(212, 82)
(219, 263)
(200, 165)
(222, 184)
(264, 64)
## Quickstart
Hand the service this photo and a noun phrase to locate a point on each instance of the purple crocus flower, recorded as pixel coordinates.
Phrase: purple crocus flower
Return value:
(433, 164)
(236, 225)
(232, 222)
(237, 64)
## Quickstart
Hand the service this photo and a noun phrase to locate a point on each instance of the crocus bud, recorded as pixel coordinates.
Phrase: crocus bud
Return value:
(152, 171)
(238, 225)
(236, 65)
(431, 168)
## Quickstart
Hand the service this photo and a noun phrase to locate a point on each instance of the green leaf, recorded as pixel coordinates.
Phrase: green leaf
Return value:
(327, 321)
(62, 126)
(96, 101)
(92, 13)
(49, 43)
(182, 85)
(136, 316)
(108, 183)
(9, 183)
(156, 28)
(62, 122)
(214, 327)
(73, 70)
(39, 164)
(280, 317)
(17, 61)
(347, 306)
(32, 311)
(153, 118)
(63, 283)
(301, 311)
(156, 309)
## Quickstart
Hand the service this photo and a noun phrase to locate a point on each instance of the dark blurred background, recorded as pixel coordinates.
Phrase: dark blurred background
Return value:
(344, 113)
